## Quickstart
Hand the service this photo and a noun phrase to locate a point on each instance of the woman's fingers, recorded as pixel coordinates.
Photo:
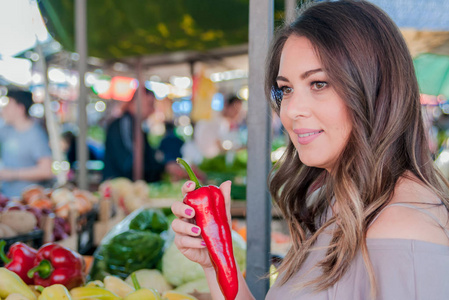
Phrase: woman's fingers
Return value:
(185, 241)
(185, 228)
(188, 186)
(181, 210)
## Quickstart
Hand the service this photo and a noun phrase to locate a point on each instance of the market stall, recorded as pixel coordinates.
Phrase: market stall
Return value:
(89, 220)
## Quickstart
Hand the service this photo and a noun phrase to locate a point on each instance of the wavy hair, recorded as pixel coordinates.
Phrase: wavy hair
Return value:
(368, 63)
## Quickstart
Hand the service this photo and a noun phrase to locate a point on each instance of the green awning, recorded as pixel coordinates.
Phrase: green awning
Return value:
(118, 29)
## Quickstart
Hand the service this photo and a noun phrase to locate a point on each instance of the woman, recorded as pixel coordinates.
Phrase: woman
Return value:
(367, 210)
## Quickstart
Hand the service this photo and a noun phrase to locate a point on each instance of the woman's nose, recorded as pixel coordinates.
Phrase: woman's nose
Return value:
(298, 106)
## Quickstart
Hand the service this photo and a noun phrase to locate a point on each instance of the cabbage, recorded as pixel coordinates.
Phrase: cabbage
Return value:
(200, 285)
(150, 279)
(178, 269)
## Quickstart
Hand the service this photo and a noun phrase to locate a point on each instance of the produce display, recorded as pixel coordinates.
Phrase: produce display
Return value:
(210, 215)
(136, 259)
(126, 194)
(135, 243)
(26, 214)
(12, 287)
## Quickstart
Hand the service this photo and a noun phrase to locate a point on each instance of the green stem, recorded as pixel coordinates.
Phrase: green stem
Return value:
(189, 171)
(44, 269)
(3, 256)
(135, 281)
(40, 288)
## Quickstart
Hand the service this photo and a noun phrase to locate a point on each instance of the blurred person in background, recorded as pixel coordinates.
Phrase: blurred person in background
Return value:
(118, 156)
(25, 152)
(171, 144)
(209, 135)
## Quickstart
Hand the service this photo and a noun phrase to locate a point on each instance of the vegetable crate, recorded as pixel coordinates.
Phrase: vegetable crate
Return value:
(85, 231)
(71, 241)
(34, 239)
(109, 215)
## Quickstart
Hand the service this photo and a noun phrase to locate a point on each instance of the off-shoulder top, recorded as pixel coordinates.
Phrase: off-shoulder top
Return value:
(404, 270)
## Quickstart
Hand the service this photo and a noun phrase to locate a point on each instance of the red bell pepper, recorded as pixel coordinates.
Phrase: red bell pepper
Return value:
(20, 259)
(210, 215)
(55, 264)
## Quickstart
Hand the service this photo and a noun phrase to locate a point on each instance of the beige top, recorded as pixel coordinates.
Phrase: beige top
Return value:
(404, 270)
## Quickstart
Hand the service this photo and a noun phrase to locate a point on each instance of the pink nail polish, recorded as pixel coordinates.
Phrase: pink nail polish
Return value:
(189, 184)
(203, 243)
(195, 229)
(189, 212)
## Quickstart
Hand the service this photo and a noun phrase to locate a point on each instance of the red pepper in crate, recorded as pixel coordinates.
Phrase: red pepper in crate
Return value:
(210, 215)
(55, 264)
(20, 259)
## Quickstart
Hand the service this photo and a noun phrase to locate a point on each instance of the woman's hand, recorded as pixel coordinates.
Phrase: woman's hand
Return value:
(187, 234)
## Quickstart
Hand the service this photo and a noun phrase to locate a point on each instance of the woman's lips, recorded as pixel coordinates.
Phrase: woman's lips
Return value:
(306, 137)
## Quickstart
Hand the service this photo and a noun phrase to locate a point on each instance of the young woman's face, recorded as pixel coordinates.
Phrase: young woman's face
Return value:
(315, 117)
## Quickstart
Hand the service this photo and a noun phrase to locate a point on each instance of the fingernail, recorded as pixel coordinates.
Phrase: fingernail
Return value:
(195, 229)
(203, 243)
(189, 212)
(189, 184)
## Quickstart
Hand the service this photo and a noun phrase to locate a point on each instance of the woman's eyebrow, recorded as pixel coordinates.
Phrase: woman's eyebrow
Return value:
(310, 72)
(302, 76)
(282, 78)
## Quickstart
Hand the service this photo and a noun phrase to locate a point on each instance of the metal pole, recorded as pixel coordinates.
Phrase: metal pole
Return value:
(259, 146)
(50, 120)
(138, 139)
(290, 10)
(81, 48)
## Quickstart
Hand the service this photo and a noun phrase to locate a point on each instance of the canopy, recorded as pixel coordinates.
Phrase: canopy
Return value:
(118, 29)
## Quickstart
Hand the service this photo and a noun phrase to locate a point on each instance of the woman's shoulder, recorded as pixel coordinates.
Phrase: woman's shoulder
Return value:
(414, 213)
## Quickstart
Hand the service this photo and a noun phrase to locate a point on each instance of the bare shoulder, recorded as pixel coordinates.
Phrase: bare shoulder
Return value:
(408, 222)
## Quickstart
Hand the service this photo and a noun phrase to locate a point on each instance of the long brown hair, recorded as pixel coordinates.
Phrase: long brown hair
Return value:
(370, 67)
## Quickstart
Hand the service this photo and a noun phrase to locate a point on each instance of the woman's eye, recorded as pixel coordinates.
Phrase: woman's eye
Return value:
(318, 85)
(286, 90)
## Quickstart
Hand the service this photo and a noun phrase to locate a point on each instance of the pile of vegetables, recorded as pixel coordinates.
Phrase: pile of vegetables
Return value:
(135, 243)
(126, 194)
(12, 287)
(24, 215)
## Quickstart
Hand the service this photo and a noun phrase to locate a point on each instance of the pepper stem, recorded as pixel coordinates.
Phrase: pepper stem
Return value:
(3, 256)
(43, 269)
(189, 171)
(135, 281)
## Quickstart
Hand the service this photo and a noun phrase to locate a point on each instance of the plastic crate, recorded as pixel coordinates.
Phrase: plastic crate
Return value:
(34, 239)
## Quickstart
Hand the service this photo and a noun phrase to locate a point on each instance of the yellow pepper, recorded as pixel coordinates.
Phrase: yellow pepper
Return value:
(92, 292)
(142, 294)
(118, 286)
(55, 292)
(11, 283)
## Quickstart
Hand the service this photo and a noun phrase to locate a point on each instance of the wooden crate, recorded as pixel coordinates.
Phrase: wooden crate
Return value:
(48, 225)
(106, 219)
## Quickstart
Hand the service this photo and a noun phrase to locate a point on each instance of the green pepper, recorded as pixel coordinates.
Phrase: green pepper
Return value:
(151, 220)
(132, 250)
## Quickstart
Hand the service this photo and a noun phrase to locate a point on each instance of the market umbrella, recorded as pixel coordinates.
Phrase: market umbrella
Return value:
(432, 72)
